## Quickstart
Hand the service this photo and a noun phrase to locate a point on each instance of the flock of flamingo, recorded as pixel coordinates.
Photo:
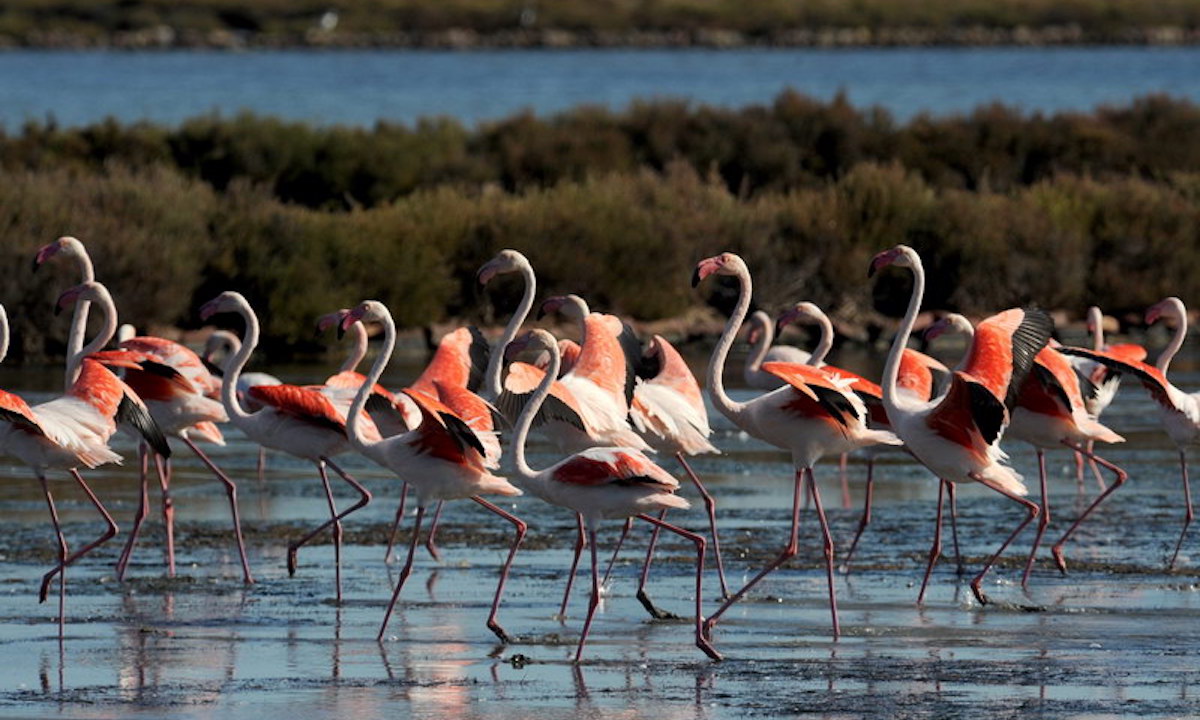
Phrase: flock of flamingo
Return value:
(604, 402)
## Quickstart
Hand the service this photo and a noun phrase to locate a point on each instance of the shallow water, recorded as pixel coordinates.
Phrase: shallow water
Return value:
(1118, 636)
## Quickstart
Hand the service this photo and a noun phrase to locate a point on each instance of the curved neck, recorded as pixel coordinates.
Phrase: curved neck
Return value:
(234, 365)
(79, 321)
(358, 350)
(521, 431)
(496, 362)
(716, 365)
(353, 430)
(3, 333)
(1097, 320)
(766, 336)
(1164, 360)
(105, 301)
(891, 370)
(825, 343)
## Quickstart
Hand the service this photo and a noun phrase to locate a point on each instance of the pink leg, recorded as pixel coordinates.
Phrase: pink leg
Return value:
(1031, 508)
(431, 541)
(935, 552)
(580, 541)
(391, 543)
(789, 551)
(404, 573)
(108, 533)
(701, 641)
(617, 550)
(335, 520)
(1118, 481)
(139, 517)
(1043, 518)
(595, 600)
(163, 469)
(1190, 515)
(710, 505)
(845, 477)
(231, 492)
(62, 560)
(520, 527)
(865, 520)
(1079, 463)
(642, 597)
(1091, 448)
(952, 494)
(829, 550)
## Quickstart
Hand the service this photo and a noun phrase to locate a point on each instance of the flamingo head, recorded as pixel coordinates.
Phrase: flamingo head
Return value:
(758, 323)
(506, 261)
(571, 307)
(66, 246)
(950, 322)
(365, 312)
(220, 341)
(726, 263)
(800, 311)
(91, 291)
(900, 256)
(1171, 307)
(535, 341)
(228, 301)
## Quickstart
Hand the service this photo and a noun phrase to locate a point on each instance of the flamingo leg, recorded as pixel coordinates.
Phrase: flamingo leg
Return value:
(828, 548)
(843, 461)
(1091, 448)
(1079, 463)
(788, 552)
(710, 506)
(580, 542)
(335, 519)
(935, 552)
(404, 573)
(108, 533)
(865, 520)
(1043, 518)
(431, 541)
(62, 559)
(391, 543)
(617, 550)
(594, 602)
(952, 494)
(520, 527)
(139, 516)
(1190, 514)
(1120, 477)
(163, 469)
(231, 492)
(642, 597)
(701, 641)
(1032, 511)
(262, 463)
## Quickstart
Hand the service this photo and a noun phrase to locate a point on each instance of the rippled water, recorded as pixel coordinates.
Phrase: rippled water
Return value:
(1118, 636)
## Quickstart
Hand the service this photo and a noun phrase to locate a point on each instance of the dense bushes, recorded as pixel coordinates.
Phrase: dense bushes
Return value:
(794, 143)
(628, 241)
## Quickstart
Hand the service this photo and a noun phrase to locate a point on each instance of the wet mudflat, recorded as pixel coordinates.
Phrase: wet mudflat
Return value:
(1118, 636)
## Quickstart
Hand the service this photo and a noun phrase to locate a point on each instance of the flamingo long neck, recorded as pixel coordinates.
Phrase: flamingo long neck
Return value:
(109, 309)
(825, 344)
(3, 333)
(891, 370)
(353, 426)
(358, 350)
(1096, 318)
(79, 320)
(1164, 360)
(496, 362)
(766, 336)
(716, 365)
(525, 421)
(235, 364)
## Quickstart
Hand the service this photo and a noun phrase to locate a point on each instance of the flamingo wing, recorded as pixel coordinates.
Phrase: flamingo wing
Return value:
(613, 466)
(442, 434)
(133, 413)
(829, 391)
(970, 414)
(15, 410)
(1003, 350)
(474, 410)
(1151, 377)
(300, 402)
(519, 385)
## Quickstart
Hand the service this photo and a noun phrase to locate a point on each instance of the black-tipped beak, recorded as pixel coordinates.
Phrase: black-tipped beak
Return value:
(36, 264)
(57, 310)
(341, 331)
(541, 312)
(779, 326)
(695, 277)
(871, 270)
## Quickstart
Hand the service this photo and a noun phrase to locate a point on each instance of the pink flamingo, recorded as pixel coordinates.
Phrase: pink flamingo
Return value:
(226, 344)
(815, 415)
(69, 247)
(69, 432)
(957, 436)
(301, 421)
(173, 382)
(1049, 413)
(601, 483)
(443, 459)
(762, 333)
(1178, 411)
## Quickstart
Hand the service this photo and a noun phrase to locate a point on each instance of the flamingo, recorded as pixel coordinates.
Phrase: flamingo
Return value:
(69, 432)
(815, 415)
(957, 436)
(1049, 413)
(442, 458)
(172, 382)
(1178, 411)
(668, 412)
(300, 421)
(70, 247)
(762, 334)
(601, 483)
(225, 343)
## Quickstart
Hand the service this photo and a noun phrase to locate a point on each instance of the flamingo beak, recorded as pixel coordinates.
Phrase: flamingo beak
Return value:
(329, 320)
(516, 347)
(45, 253)
(882, 260)
(349, 319)
(1154, 313)
(786, 318)
(67, 299)
(489, 270)
(752, 336)
(209, 308)
(704, 268)
(936, 330)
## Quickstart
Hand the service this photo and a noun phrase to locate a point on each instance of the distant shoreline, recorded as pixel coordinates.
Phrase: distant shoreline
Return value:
(169, 38)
